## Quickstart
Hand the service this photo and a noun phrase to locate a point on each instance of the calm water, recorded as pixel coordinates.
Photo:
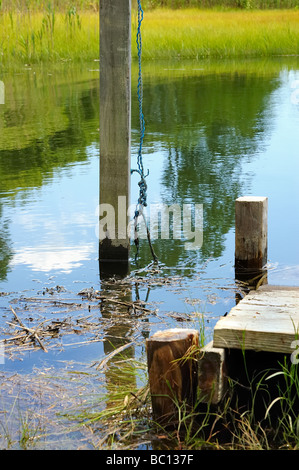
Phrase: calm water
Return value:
(214, 132)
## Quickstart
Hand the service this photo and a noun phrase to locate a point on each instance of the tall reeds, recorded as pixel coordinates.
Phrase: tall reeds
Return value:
(48, 36)
(241, 4)
(195, 34)
(59, 5)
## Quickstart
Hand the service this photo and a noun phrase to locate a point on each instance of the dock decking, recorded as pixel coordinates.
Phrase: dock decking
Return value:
(266, 319)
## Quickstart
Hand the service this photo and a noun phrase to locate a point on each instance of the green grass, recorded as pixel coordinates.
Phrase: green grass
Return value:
(127, 422)
(195, 34)
(108, 406)
(49, 37)
(62, 5)
(52, 35)
(242, 4)
(59, 5)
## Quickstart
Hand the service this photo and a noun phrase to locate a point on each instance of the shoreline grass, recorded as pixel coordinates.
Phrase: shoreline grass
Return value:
(39, 5)
(42, 37)
(51, 36)
(194, 33)
(219, 4)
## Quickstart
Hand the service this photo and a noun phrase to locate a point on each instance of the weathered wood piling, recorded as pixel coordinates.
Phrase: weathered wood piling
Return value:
(115, 128)
(172, 369)
(251, 234)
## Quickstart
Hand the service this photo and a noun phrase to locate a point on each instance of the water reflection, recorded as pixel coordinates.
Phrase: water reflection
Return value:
(47, 258)
(207, 126)
(52, 120)
(206, 131)
(48, 124)
(116, 338)
(5, 248)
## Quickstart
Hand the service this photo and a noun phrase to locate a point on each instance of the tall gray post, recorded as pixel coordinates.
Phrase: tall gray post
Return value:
(115, 128)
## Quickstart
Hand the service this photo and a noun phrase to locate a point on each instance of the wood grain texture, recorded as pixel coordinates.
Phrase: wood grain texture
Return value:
(115, 126)
(265, 320)
(172, 369)
(251, 232)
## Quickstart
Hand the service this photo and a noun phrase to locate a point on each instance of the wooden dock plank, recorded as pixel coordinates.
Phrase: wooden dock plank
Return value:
(265, 320)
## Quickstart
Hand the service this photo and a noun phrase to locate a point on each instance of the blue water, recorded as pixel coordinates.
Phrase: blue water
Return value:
(209, 139)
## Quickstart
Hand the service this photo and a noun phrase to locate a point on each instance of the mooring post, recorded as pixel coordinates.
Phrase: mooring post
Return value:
(115, 129)
(172, 369)
(251, 235)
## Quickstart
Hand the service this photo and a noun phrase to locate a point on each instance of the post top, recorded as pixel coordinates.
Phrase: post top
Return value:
(251, 199)
(173, 334)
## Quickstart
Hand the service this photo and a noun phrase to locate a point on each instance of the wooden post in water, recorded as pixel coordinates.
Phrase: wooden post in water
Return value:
(172, 369)
(251, 235)
(115, 129)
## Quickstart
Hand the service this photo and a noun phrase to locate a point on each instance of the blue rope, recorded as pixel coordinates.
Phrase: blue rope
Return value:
(142, 183)
(142, 200)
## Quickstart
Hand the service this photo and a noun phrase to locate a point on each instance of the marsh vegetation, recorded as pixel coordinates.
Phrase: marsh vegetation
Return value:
(32, 32)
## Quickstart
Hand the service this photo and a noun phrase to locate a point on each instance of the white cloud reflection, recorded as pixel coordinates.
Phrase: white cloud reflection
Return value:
(52, 258)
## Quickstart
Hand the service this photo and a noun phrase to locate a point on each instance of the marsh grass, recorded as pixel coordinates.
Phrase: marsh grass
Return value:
(59, 5)
(288, 401)
(194, 33)
(126, 420)
(124, 416)
(82, 408)
(230, 426)
(50, 34)
(220, 4)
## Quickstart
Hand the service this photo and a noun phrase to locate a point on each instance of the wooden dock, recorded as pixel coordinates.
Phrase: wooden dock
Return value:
(264, 324)
(264, 320)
